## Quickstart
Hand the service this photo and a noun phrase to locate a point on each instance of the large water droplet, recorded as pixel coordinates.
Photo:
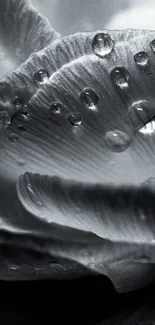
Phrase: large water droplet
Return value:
(102, 44)
(75, 119)
(117, 140)
(142, 60)
(34, 196)
(89, 98)
(140, 113)
(41, 77)
(148, 128)
(120, 77)
(5, 119)
(56, 108)
(152, 44)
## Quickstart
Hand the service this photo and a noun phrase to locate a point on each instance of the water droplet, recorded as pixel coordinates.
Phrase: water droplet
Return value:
(117, 140)
(142, 60)
(140, 113)
(141, 214)
(102, 45)
(18, 102)
(33, 195)
(89, 98)
(152, 44)
(56, 108)
(75, 119)
(13, 137)
(21, 162)
(14, 267)
(120, 77)
(144, 259)
(18, 52)
(148, 128)
(5, 119)
(21, 128)
(25, 114)
(41, 77)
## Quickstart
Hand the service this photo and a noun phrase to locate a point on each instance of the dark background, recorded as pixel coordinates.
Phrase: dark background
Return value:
(85, 301)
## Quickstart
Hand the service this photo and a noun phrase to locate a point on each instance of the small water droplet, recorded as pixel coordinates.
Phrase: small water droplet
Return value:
(102, 45)
(25, 114)
(33, 195)
(18, 102)
(41, 77)
(5, 119)
(144, 259)
(120, 77)
(117, 141)
(21, 128)
(89, 98)
(53, 262)
(152, 44)
(142, 60)
(75, 119)
(14, 267)
(56, 108)
(141, 214)
(140, 113)
(18, 52)
(13, 137)
(21, 162)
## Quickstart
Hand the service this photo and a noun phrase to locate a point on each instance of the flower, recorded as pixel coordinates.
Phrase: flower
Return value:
(77, 150)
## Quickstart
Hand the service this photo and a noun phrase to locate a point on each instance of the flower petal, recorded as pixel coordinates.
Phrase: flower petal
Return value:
(128, 251)
(120, 214)
(109, 136)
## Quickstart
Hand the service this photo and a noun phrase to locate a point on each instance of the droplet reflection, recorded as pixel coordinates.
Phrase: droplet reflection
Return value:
(102, 45)
(117, 141)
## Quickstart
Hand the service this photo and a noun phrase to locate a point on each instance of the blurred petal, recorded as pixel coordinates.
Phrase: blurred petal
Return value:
(23, 258)
(139, 313)
(23, 30)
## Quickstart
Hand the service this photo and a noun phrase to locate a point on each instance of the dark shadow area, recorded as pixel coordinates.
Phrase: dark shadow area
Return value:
(84, 301)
